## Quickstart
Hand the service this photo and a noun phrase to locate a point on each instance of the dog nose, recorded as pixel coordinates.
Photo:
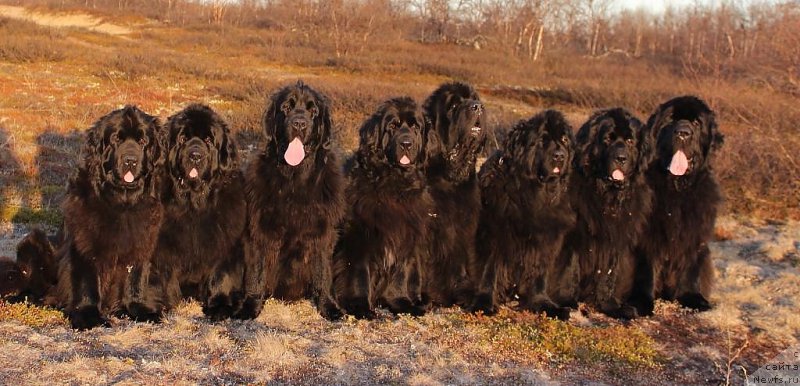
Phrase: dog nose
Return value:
(621, 158)
(195, 155)
(299, 124)
(559, 155)
(406, 144)
(683, 132)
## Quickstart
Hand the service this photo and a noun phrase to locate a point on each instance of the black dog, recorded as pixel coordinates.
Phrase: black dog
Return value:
(112, 216)
(377, 257)
(612, 202)
(295, 201)
(525, 215)
(674, 260)
(33, 275)
(457, 114)
(199, 251)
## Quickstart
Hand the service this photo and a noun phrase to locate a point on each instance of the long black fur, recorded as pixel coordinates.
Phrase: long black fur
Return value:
(457, 115)
(597, 261)
(33, 275)
(293, 211)
(525, 215)
(377, 257)
(674, 259)
(111, 226)
(199, 252)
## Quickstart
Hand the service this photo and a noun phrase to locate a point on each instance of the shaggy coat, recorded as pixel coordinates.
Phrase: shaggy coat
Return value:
(613, 203)
(525, 215)
(377, 257)
(295, 201)
(33, 275)
(674, 260)
(199, 251)
(112, 216)
(457, 115)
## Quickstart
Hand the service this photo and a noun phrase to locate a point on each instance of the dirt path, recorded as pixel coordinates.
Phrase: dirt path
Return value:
(78, 20)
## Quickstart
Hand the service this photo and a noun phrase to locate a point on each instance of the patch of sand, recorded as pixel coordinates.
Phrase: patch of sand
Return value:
(78, 20)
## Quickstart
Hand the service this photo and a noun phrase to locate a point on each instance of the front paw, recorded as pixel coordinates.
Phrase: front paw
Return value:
(484, 303)
(644, 306)
(250, 309)
(330, 311)
(221, 307)
(404, 306)
(359, 308)
(694, 301)
(143, 313)
(87, 317)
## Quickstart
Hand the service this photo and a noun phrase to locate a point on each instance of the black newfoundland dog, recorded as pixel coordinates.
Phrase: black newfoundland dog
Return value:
(199, 252)
(525, 215)
(674, 260)
(377, 258)
(112, 216)
(295, 201)
(32, 276)
(613, 203)
(457, 115)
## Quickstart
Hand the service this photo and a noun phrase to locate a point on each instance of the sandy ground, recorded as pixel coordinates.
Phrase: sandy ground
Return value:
(76, 20)
(755, 317)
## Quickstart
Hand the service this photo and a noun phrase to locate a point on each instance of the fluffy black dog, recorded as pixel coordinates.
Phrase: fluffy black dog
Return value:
(199, 252)
(377, 258)
(295, 201)
(674, 260)
(613, 202)
(112, 216)
(33, 275)
(457, 114)
(525, 215)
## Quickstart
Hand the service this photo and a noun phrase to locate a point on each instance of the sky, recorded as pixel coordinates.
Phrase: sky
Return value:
(655, 5)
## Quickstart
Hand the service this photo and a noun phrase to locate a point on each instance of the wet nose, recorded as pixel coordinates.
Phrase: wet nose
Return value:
(195, 155)
(621, 158)
(559, 155)
(406, 143)
(683, 132)
(299, 124)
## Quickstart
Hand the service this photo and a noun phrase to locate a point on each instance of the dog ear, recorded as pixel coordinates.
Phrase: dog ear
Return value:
(645, 143)
(228, 158)
(584, 141)
(269, 120)
(431, 142)
(370, 134)
(325, 122)
(715, 138)
(658, 120)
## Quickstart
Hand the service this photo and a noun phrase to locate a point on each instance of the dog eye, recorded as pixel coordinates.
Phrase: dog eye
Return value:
(143, 141)
(114, 138)
(629, 141)
(208, 140)
(565, 140)
(286, 106)
(181, 138)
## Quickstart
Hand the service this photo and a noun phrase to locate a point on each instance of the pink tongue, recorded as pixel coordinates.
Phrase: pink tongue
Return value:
(618, 175)
(556, 170)
(295, 153)
(679, 164)
(405, 160)
(128, 177)
(193, 173)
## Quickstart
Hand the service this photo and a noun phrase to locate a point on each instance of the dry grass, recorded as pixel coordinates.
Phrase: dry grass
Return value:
(55, 82)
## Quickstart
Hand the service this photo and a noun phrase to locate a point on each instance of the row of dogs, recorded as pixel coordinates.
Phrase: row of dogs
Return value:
(615, 216)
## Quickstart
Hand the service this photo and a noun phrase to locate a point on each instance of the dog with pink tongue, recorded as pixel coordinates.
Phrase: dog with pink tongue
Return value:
(673, 259)
(295, 194)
